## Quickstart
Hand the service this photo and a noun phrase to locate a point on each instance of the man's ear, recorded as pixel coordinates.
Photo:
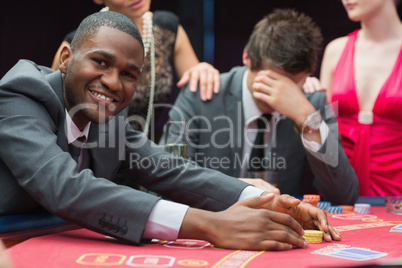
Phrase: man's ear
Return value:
(66, 54)
(99, 2)
(246, 59)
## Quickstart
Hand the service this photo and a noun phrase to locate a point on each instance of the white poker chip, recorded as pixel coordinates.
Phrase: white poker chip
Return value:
(362, 208)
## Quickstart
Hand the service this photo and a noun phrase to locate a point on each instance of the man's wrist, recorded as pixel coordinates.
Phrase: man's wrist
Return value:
(197, 224)
(311, 124)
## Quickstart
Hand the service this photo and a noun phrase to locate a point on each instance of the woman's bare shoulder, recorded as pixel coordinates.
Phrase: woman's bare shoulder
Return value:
(336, 46)
(333, 51)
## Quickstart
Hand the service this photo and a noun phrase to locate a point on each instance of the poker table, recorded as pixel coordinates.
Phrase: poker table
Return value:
(366, 240)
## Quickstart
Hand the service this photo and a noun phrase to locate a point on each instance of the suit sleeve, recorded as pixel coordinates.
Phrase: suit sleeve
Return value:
(334, 176)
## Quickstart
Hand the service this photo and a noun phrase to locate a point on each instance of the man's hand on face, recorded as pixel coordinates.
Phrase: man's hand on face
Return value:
(283, 95)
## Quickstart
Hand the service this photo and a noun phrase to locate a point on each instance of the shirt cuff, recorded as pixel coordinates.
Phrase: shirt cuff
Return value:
(166, 217)
(315, 146)
(250, 192)
(165, 220)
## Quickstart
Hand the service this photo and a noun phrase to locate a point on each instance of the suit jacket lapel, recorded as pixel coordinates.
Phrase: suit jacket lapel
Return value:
(103, 150)
(234, 109)
(55, 82)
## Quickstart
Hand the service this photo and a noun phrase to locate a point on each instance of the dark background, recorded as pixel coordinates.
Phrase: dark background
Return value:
(34, 29)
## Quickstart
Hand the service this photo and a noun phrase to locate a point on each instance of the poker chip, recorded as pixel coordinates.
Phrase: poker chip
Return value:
(324, 205)
(347, 208)
(313, 240)
(335, 209)
(313, 233)
(313, 199)
(362, 208)
(313, 236)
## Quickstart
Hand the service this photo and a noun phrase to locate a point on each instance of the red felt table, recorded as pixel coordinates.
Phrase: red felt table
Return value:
(84, 248)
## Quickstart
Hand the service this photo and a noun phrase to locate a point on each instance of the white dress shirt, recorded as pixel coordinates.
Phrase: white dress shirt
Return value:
(73, 133)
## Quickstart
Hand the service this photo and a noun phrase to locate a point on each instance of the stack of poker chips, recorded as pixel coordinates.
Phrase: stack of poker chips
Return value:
(324, 205)
(312, 199)
(313, 236)
(362, 208)
(347, 208)
(335, 209)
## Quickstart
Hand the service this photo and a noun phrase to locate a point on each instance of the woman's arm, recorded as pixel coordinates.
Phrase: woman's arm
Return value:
(189, 68)
(330, 59)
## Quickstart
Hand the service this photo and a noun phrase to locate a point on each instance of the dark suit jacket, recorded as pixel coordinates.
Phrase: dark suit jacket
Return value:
(216, 128)
(36, 168)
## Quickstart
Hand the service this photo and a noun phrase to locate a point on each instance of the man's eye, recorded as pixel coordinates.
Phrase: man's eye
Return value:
(100, 62)
(129, 75)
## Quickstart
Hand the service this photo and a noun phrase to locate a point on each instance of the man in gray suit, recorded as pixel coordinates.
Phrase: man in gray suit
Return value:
(65, 136)
(281, 53)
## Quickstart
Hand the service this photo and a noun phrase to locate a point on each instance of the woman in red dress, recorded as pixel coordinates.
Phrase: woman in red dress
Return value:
(362, 73)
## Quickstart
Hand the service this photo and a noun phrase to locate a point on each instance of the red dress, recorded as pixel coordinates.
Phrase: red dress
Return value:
(374, 149)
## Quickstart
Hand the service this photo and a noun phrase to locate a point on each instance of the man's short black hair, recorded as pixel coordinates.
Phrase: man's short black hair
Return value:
(91, 24)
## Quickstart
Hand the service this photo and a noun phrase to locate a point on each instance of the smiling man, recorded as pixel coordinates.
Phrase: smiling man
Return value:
(45, 115)
(91, 78)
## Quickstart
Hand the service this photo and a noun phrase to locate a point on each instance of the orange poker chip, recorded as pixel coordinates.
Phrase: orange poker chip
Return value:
(312, 197)
(347, 208)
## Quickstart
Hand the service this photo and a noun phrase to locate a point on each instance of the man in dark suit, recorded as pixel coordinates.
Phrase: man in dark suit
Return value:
(65, 136)
(281, 53)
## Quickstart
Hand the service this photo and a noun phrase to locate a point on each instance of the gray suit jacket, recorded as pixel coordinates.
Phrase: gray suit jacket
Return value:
(220, 143)
(36, 168)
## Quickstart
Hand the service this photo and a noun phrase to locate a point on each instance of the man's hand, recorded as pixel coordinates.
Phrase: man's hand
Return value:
(244, 225)
(208, 77)
(283, 95)
(261, 184)
(307, 215)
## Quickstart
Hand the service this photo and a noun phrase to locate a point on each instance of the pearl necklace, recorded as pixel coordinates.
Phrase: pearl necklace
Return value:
(147, 31)
(148, 41)
(149, 44)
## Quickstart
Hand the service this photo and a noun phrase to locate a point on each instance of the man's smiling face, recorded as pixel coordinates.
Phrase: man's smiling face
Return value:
(100, 77)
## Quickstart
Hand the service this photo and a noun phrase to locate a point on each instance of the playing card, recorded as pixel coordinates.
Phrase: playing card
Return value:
(356, 254)
(397, 229)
